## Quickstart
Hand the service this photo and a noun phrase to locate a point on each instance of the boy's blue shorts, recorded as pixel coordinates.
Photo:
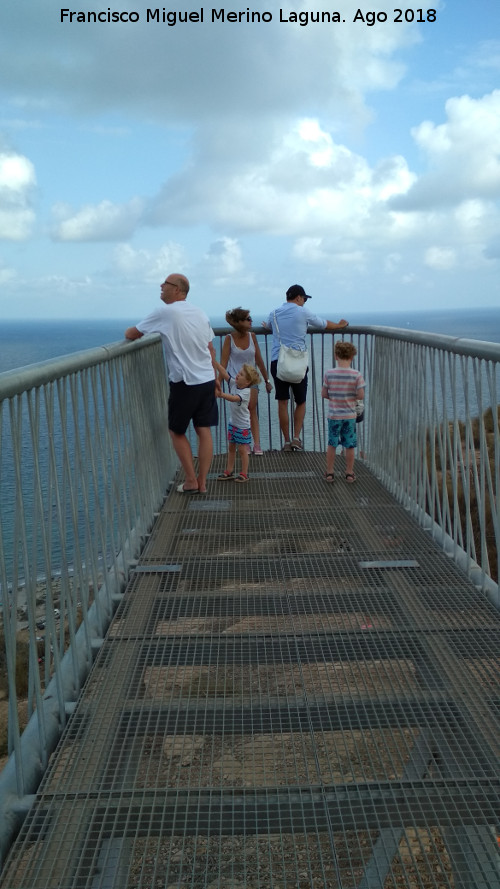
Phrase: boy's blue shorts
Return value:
(342, 432)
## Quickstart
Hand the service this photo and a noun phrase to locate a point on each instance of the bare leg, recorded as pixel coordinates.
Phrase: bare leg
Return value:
(283, 419)
(330, 459)
(205, 451)
(243, 452)
(349, 460)
(298, 419)
(183, 450)
(231, 457)
(254, 418)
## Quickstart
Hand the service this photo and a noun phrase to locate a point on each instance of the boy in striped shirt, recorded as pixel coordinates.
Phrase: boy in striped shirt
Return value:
(344, 388)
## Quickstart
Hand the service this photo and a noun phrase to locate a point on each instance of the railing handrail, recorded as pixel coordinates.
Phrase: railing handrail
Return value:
(21, 379)
(31, 376)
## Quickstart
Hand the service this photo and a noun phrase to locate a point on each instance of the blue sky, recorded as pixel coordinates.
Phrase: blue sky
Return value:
(362, 162)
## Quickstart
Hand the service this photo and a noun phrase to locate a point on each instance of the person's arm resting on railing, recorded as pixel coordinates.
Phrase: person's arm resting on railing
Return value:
(132, 333)
(336, 325)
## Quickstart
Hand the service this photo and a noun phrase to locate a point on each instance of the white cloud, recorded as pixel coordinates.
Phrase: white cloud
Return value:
(305, 182)
(224, 260)
(7, 274)
(100, 222)
(440, 258)
(148, 265)
(256, 159)
(463, 155)
(17, 183)
(230, 69)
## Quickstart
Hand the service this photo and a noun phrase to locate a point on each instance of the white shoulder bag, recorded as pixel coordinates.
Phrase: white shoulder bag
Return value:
(292, 363)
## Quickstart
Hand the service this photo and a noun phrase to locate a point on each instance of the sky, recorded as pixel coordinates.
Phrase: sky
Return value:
(359, 157)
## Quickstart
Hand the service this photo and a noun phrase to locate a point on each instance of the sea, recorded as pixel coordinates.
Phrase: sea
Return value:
(29, 342)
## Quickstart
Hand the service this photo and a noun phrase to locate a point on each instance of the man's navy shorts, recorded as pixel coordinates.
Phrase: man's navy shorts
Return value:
(197, 403)
(282, 389)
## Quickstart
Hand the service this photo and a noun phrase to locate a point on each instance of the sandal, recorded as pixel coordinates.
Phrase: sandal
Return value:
(225, 476)
(241, 478)
(350, 477)
(297, 444)
(329, 477)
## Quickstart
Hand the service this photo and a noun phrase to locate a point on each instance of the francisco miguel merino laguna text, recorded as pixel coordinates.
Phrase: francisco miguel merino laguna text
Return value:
(172, 17)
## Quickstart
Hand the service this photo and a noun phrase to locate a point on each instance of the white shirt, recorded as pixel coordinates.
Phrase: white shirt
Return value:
(186, 332)
(239, 412)
(293, 321)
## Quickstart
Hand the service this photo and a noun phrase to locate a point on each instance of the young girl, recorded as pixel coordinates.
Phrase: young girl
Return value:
(238, 433)
(239, 348)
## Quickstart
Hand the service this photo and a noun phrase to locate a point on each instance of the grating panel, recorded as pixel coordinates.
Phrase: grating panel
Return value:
(268, 711)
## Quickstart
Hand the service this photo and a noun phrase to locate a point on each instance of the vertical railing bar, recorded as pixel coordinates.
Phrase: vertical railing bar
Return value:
(98, 543)
(15, 405)
(54, 488)
(68, 499)
(39, 524)
(34, 689)
(446, 387)
(109, 460)
(103, 443)
(467, 490)
(85, 570)
(9, 613)
(457, 457)
(481, 472)
(121, 463)
(494, 481)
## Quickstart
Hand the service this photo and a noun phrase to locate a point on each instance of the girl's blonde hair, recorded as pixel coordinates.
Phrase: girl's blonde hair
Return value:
(252, 374)
(234, 317)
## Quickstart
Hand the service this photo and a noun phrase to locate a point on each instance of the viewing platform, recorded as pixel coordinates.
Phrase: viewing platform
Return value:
(298, 689)
(285, 684)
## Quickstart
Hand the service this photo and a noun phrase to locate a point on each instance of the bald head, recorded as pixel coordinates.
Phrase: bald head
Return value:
(174, 288)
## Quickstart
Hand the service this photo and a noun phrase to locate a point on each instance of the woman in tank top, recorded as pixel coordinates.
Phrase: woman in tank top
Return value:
(241, 347)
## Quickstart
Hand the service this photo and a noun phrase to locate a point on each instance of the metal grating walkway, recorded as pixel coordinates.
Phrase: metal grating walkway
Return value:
(298, 690)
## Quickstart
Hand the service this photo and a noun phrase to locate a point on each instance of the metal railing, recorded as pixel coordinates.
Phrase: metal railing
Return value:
(431, 432)
(86, 459)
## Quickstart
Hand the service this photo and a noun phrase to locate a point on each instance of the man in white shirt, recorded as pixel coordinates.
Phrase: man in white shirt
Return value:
(187, 340)
(293, 318)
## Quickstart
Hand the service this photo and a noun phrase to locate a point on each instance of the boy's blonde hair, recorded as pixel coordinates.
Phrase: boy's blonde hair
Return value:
(345, 350)
(252, 374)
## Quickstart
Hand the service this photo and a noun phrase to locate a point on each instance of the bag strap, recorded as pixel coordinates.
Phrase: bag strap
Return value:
(277, 328)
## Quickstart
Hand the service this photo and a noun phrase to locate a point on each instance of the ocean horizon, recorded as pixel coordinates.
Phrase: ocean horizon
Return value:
(24, 342)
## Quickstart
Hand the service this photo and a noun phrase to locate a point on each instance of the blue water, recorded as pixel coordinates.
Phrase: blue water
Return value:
(28, 342)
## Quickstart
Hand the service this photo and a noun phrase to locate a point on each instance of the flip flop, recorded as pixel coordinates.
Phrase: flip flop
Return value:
(182, 490)
(350, 477)
(329, 477)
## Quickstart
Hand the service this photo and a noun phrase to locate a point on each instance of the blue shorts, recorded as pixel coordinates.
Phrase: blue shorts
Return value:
(239, 436)
(342, 432)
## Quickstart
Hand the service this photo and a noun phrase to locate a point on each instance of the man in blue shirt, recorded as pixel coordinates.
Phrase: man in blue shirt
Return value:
(293, 317)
